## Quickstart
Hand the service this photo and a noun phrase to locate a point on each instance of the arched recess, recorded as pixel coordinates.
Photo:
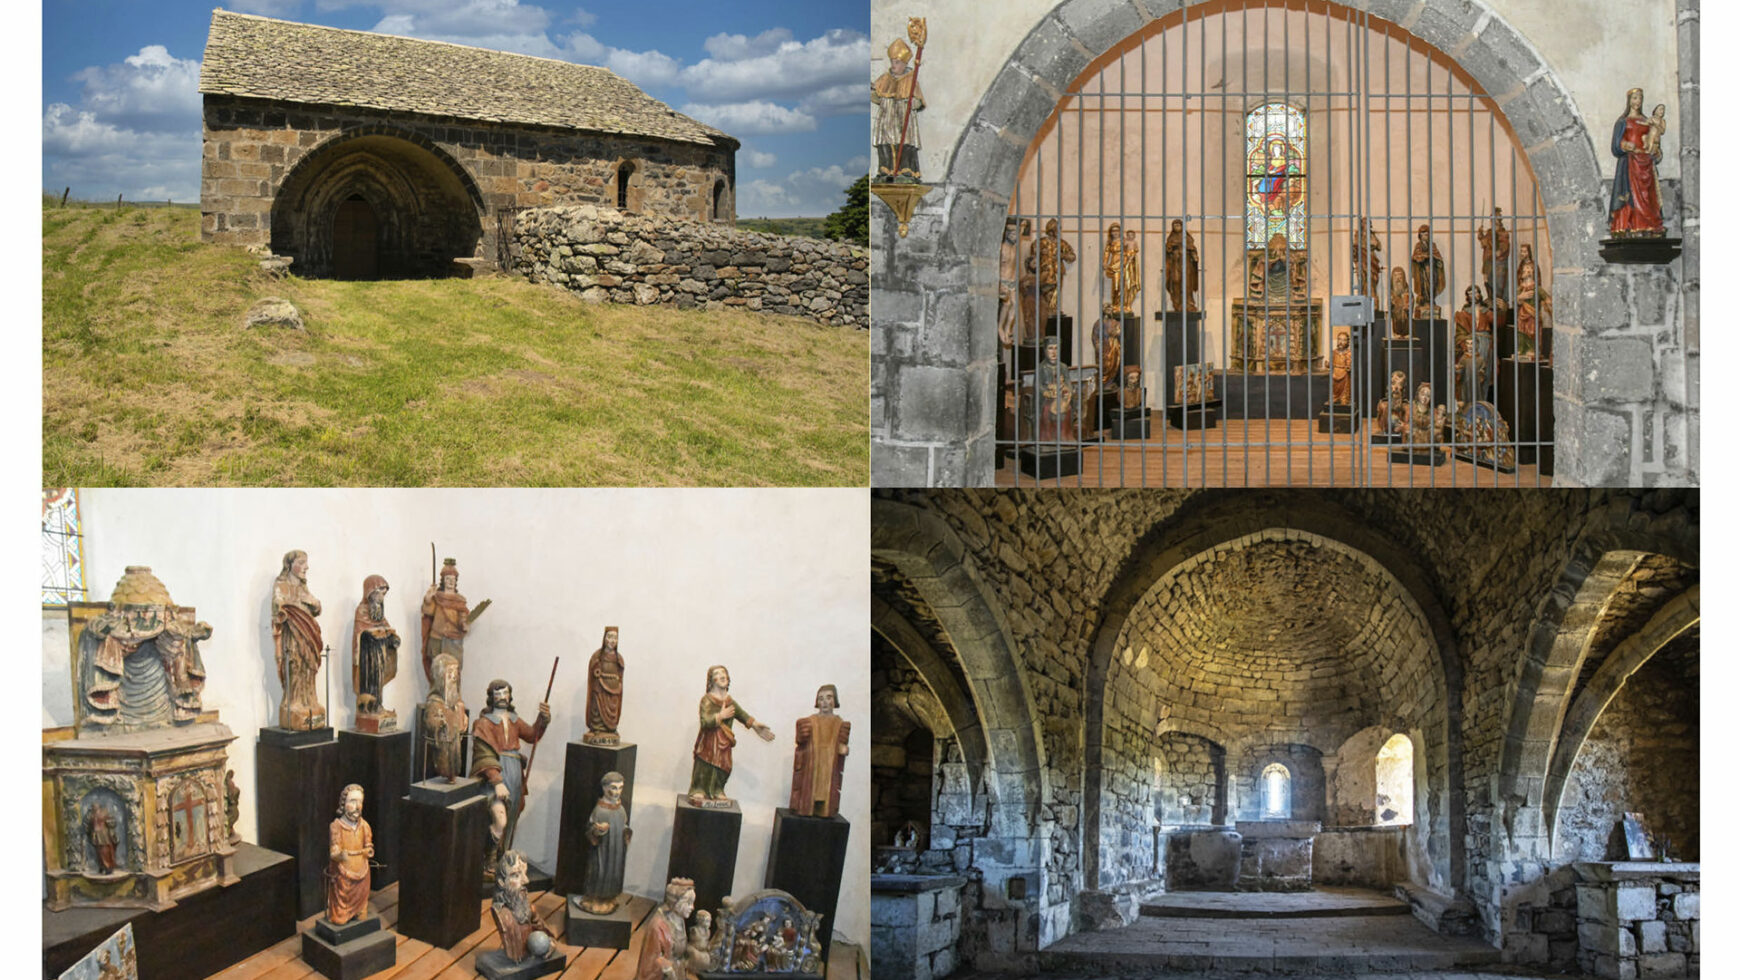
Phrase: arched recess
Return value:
(723, 206)
(1679, 615)
(1211, 519)
(959, 388)
(957, 706)
(929, 554)
(1612, 542)
(425, 209)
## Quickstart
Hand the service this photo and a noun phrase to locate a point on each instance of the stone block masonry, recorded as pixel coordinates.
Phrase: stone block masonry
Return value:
(607, 255)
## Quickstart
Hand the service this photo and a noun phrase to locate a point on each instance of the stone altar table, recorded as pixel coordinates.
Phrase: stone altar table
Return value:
(1275, 855)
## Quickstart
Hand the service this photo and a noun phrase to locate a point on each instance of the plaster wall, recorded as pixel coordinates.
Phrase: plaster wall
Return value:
(1598, 48)
(769, 583)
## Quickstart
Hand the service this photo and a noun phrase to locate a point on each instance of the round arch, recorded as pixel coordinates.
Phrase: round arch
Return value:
(1209, 520)
(1680, 614)
(963, 720)
(951, 442)
(1556, 642)
(420, 208)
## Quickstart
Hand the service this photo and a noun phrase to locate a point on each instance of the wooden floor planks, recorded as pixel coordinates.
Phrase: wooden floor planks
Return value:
(417, 960)
(1220, 457)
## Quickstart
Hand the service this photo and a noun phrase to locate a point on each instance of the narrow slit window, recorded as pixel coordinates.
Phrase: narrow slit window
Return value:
(1277, 792)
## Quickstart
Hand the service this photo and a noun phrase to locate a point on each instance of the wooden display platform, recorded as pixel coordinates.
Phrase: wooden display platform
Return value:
(417, 960)
(1234, 454)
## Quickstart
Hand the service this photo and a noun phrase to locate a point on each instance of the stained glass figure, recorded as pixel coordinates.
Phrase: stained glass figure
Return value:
(1275, 174)
(63, 548)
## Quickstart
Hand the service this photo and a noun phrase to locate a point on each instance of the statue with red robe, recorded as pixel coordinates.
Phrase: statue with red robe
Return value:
(604, 692)
(820, 758)
(296, 645)
(347, 868)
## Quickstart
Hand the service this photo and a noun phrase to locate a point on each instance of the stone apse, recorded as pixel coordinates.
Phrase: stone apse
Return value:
(364, 155)
(1078, 696)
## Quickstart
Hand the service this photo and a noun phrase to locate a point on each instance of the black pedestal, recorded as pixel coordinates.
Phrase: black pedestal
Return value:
(1420, 363)
(704, 848)
(438, 887)
(420, 752)
(586, 766)
(1181, 343)
(1337, 418)
(808, 858)
(496, 966)
(602, 931)
(381, 764)
(1525, 400)
(1196, 415)
(1640, 251)
(1419, 457)
(1271, 396)
(1128, 423)
(351, 951)
(199, 935)
(1045, 464)
(1062, 327)
(297, 783)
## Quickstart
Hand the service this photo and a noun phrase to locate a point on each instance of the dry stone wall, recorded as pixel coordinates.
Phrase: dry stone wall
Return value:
(606, 255)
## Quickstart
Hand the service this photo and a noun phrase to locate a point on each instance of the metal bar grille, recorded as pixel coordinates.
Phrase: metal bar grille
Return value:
(1253, 387)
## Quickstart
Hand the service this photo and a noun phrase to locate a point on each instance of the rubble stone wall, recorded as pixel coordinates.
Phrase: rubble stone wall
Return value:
(605, 255)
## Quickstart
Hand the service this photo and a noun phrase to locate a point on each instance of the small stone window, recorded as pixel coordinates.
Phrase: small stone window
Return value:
(624, 174)
(1277, 789)
(719, 201)
(1395, 782)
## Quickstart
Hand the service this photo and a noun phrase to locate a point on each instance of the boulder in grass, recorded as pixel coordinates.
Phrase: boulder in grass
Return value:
(274, 312)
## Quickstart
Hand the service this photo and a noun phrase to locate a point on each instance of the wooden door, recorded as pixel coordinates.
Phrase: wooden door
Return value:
(354, 240)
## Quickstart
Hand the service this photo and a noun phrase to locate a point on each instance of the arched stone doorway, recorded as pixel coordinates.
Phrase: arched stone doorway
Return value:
(940, 422)
(377, 203)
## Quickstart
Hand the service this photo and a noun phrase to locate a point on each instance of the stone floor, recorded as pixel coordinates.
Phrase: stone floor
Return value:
(1325, 931)
(1319, 902)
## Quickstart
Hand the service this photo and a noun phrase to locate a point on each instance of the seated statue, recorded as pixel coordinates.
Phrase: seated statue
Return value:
(139, 663)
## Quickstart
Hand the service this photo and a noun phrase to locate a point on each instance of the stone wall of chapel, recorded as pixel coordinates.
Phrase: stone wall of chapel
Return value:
(252, 146)
(1598, 48)
(1053, 559)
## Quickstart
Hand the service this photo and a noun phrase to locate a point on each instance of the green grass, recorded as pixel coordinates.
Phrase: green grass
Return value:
(150, 379)
(793, 227)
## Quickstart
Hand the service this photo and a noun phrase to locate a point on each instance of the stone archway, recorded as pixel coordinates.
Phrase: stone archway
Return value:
(930, 556)
(377, 202)
(939, 405)
(956, 704)
(1680, 614)
(1207, 522)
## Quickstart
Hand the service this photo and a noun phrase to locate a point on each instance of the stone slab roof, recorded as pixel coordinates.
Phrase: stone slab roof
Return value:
(263, 58)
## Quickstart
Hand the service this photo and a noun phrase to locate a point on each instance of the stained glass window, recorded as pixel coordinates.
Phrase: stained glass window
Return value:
(1275, 174)
(63, 548)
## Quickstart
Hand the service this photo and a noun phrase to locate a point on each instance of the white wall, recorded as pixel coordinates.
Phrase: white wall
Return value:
(1598, 49)
(771, 583)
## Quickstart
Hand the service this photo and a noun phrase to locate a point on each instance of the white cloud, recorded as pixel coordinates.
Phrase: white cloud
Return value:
(812, 192)
(98, 159)
(268, 8)
(735, 47)
(753, 118)
(758, 159)
(774, 66)
(151, 89)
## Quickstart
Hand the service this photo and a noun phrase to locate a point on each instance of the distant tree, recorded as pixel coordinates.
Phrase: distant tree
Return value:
(852, 222)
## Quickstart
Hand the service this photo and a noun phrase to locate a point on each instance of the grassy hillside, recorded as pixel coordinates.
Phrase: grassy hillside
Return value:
(791, 227)
(149, 378)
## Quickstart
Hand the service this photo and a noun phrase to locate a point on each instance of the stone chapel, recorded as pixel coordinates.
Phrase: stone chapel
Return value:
(363, 155)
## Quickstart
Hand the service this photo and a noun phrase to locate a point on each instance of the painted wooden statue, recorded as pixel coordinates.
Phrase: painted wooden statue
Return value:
(820, 759)
(1634, 206)
(609, 833)
(604, 692)
(347, 868)
(496, 759)
(296, 645)
(716, 738)
(445, 720)
(374, 656)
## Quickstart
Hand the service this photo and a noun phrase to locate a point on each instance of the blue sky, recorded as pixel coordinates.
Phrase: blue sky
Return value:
(121, 105)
